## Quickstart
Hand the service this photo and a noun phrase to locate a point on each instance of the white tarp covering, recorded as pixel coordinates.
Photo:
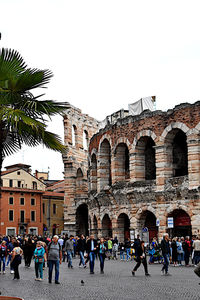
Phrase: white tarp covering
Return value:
(142, 104)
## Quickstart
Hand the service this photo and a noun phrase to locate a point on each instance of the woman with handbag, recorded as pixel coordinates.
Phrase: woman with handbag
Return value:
(39, 259)
(16, 259)
(141, 258)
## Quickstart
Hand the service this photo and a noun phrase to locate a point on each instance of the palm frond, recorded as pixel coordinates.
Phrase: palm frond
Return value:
(11, 65)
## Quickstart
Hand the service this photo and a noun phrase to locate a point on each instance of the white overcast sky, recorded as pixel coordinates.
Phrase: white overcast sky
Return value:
(104, 55)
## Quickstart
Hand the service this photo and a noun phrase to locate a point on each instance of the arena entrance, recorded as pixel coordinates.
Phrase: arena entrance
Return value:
(82, 220)
(148, 225)
(123, 225)
(182, 224)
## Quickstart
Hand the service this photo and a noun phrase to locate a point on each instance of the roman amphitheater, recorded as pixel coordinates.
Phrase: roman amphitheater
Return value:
(135, 175)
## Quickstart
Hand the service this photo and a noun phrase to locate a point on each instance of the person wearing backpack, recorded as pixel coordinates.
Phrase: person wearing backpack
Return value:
(54, 256)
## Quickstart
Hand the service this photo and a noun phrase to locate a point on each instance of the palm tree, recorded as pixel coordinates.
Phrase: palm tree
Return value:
(23, 116)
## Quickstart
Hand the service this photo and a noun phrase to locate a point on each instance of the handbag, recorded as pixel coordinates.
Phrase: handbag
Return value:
(40, 260)
(197, 270)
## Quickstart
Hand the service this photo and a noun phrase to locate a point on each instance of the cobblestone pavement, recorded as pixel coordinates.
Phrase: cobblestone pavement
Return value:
(116, 283)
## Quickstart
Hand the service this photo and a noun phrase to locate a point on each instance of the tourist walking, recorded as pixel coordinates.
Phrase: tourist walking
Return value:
(141, 258)
(16, 259)
(187, 249)
(196, 247)
(69, 248)
(128, 249)
(39, 260)
(54, 256)
(3, 254)
(166, 253)
(91, 248)
(81, 247)
(101, 248)
(121, 249)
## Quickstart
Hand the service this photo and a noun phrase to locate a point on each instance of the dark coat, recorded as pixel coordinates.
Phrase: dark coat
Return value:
(165, 247)
(88, 246)
(81, 245)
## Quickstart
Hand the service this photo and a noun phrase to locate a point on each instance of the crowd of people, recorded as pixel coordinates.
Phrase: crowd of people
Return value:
(51, 252)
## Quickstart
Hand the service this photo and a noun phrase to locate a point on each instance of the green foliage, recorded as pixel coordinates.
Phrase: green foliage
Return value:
(23, 116)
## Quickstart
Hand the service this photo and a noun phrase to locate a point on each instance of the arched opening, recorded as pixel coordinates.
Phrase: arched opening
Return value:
(121, 163)
(147, 224)
(181, 224)
(123, 224)
(145, 159)
(106, 226)
(105, 164)
(85, 140)
(177, 153)
(74, 135)
(82, 220)
(93, 176)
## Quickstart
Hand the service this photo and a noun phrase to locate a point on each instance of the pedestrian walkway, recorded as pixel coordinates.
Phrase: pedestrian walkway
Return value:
(116, 283)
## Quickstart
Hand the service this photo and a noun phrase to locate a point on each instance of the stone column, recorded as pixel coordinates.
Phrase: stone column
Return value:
(161, 166)
(69, 204)
(193, 143)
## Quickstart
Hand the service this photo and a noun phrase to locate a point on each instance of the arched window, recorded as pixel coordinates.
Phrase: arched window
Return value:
(105, 164)
(93, 174)
(176, 153)
(74, 135)
(145, 159)
(85, 140)
(121, 163)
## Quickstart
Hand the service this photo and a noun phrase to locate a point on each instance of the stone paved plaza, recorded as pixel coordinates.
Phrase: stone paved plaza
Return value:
(116, 283)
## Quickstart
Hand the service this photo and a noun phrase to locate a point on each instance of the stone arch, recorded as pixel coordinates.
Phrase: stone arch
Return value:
(81, 182)
(74, 135)
(144, 158)
(175, 125)
(107, 137)
(181, 223)
(106, 226)
(121, 162)
(123, 140)
(123, 227)
(144, 133)
(104, 164)
(176, 150)
(147, 225)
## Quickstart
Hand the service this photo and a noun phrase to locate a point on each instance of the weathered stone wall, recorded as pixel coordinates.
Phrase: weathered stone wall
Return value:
(76, 162)
(134, 196)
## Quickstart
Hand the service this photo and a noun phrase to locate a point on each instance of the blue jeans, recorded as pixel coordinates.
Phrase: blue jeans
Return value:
(82, 261)
(196, 257)
(39, 267)
(3, 259)
(92, 260)
(166, 263)
(101, 258)
(69, 256)
(128, 250)
(52, 263)
(122, 256)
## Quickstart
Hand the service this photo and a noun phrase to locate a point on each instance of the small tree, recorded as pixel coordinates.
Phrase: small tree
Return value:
(22, 115)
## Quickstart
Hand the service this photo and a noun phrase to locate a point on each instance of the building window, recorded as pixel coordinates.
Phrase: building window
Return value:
(18, 183)
(54, 209)
(22, 216)
(32, 201)
(18, 173)
(10, 183)
(32, 216)
(74, 135)
(85, 140)
(11, 215)
(11, 201)
(22, 201)
(43, 208)
(34, 185)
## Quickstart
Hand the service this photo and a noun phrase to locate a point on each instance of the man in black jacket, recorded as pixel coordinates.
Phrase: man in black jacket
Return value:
(166, 253)
(81, 247)
(91, 248)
